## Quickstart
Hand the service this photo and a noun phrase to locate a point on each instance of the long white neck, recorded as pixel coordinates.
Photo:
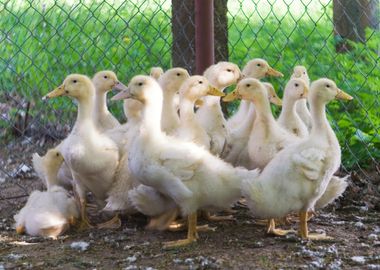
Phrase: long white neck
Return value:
(84, 117)
(263, 111)
(151, 117)
(288, 110)
(100, 108)
(169, 113)
(51, 176)
(320, 125)
(246, 126)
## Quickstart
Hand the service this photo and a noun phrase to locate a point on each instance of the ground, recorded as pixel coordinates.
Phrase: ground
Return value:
(353, 221)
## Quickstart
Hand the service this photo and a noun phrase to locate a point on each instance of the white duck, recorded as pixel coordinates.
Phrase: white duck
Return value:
(295, 90)
(170, 82)
(237, 151)
(301, 106)
(91, 156)
(182, 171)
(267, 137)
(104, 81)
(256, 68)
(193, 89)
(298, 175)
(210, 115)
(47, 213)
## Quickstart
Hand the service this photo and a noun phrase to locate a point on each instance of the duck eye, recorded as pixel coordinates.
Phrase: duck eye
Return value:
(304, 72)
(105, 77)
(248, 85)
(259, 65)
(327, 85)
(296, 84)
(140, 83)
(229, 70)
(57, 154)
(75, 81)
(200, 82)
(178, 74)
(66, 91)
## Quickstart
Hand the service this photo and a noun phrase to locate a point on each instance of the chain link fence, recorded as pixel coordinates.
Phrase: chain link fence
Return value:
(43, 41)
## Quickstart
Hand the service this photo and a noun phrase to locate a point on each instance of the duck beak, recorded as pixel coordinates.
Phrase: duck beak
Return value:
(343, 95)
(274, 73)
(232, 96)
(212, 91)
(59, 91)
(119, 86)
(276, 101)
(122, 95)
(198, 103)
(305, 91)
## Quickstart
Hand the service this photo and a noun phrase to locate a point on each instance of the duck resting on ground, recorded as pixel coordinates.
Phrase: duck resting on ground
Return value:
(47, 213)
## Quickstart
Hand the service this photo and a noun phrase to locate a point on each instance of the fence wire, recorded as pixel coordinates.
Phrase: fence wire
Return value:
(43, 41)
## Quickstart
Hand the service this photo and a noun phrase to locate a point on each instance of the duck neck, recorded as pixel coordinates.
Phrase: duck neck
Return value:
(100, 107)
(84, 116)
(51, 177)
(168, 109)
(263, 111)
(151, 117)
(320, 125)
(288, 108)
(186, 109)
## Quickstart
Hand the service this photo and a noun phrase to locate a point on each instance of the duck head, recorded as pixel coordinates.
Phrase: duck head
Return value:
(259, 68)
(106, 80)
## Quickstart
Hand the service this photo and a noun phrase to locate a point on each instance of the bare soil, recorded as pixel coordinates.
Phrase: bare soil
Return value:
(353, 222)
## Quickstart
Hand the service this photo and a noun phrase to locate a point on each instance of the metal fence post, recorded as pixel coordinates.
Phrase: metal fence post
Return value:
(204, 34)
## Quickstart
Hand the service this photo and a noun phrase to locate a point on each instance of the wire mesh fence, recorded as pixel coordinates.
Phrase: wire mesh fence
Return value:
(43, 41)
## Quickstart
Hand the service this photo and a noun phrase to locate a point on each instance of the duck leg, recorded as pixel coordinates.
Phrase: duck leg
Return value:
(165, 221)
(304, 231)
(113, 223)
(192, 234)
(271, 229)
(84, 222)
(207, 216)
(20, 229)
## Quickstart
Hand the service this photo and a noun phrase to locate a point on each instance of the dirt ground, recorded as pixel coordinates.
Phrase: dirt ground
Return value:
(353, 222)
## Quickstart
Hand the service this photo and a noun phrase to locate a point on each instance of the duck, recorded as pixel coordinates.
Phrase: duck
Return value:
(299, 174)
(267, 137)
(301, 105)
(170, 82)
(47, 168)
(156, 72)
(92, 157)
(104, 81)
(256, 68)
(186, 173)
(193, 89)
(210, 115)
(295, 90)
(236, 152)
(47, 213)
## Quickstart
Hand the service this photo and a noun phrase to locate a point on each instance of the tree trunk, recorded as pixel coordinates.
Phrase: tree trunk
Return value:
(351, 17)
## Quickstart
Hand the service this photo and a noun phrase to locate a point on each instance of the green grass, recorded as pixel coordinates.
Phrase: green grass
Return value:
(41, 44)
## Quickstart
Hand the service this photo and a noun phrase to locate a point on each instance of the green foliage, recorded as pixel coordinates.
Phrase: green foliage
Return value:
(41, 45)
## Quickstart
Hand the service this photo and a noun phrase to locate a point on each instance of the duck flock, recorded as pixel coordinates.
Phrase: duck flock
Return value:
(177, 158)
